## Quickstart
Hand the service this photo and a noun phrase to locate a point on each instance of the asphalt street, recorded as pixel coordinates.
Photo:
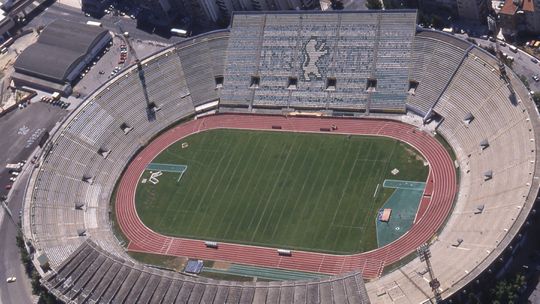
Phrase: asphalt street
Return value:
(523, 65)
(10, 266)
(21, 131)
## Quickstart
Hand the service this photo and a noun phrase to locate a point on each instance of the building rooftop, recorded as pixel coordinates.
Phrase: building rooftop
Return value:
(512, 6)
(68, 41)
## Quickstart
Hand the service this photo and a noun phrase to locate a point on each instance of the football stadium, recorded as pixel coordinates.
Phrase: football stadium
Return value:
(326, 145)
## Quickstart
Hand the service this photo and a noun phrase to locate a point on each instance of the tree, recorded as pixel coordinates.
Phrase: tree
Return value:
(373, 4)
(536, 97)
(436, 22)
(524, 80)
(472, 40)
(336, 4)
(508, 291)
(490, 49)
(389, 4)
(473, 299)
(47, 298)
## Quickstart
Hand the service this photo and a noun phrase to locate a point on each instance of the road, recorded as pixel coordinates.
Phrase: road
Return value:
(21, 131)
(522, 62)
(20, 291)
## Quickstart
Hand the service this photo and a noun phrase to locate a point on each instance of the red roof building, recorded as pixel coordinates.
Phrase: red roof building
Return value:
(520, 15)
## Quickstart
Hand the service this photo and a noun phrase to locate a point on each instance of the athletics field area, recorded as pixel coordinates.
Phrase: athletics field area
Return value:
(312, 192)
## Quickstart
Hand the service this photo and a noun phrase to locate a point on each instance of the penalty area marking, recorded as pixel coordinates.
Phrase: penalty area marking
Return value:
(376, 189)
(181, 174)
(166, 168)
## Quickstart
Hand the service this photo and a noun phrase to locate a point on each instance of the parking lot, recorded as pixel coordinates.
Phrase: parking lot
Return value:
(115, 57)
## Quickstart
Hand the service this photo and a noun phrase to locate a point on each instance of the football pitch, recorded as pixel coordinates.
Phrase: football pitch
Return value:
(314, 192)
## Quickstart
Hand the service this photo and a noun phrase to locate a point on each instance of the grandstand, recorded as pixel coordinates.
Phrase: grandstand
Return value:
(319, 60)
(67, 206)
(91, 274)
(435, 60)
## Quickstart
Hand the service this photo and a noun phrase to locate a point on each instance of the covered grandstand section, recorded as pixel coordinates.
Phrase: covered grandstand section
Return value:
(91, 275)
(329, 57)
(74, 45)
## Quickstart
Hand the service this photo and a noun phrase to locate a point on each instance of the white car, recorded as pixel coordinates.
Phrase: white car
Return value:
(13, 178)
(11, 279)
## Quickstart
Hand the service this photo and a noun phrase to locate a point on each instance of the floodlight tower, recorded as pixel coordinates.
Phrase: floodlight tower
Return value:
(494, 28)
(151, 108)
(9, 214)
(425, 254)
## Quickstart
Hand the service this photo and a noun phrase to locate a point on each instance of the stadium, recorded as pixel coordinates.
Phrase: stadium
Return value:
(341, 75)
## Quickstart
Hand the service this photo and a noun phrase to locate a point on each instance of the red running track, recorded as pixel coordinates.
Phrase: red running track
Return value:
(371, 263)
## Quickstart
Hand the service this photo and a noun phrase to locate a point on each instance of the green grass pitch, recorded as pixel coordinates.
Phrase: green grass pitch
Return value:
(302, 191)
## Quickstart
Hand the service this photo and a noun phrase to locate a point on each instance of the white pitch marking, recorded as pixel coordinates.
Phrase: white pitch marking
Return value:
(376, 189)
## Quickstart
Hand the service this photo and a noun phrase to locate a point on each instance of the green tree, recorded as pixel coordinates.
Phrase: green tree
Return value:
(524, 80)
(336, 4)
(25, 258)
(490, 49)
(507, 291)
(536, 97)
(473, 299)
(373, 4)
(36, 285)
(436, 22)
(223, 22)
(388, 4)
(47, 298)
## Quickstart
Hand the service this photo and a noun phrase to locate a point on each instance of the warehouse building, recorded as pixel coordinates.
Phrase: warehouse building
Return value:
(60, 54)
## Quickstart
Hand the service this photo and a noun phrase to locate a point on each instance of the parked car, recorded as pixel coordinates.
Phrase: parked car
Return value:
(11, 279)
